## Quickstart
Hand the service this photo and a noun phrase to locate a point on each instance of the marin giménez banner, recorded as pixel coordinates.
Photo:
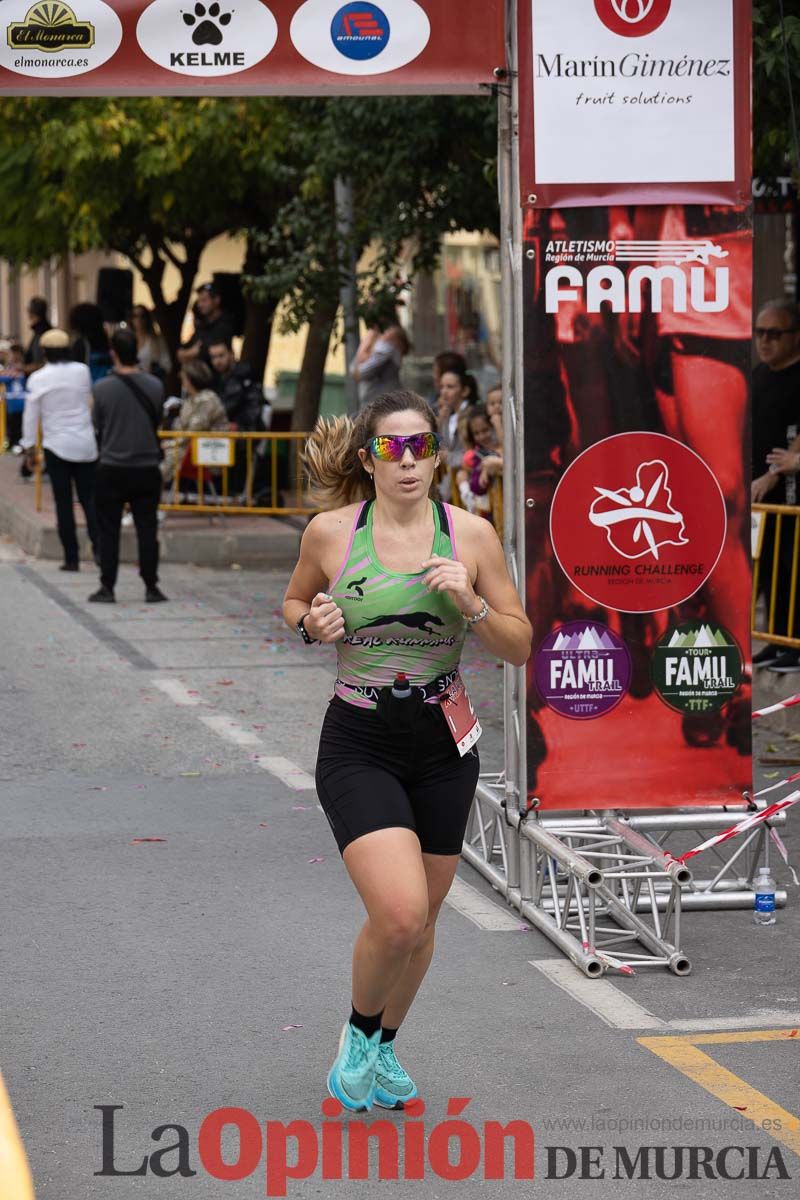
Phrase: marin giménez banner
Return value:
(646, 100)
(242, 47)
(637, 362)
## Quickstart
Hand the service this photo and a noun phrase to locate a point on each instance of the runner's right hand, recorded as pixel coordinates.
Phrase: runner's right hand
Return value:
(325, 621)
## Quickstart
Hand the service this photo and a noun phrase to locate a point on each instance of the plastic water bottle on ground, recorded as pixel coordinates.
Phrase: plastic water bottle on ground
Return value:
(764, 903)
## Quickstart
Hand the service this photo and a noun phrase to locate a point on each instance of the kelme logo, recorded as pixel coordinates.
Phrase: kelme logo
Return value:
(633, 18)
(207, 37)
(50, 27)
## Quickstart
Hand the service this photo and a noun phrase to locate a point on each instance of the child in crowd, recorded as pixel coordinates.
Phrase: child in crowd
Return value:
(12, 383)
(483, 459)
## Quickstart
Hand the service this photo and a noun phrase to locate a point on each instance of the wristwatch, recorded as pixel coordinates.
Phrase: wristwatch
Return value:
(301, 629)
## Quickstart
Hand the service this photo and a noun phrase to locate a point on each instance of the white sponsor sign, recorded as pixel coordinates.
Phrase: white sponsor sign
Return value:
(207, 37)
(361, 38)
(55, 41)
(213, 452)
(613, 105)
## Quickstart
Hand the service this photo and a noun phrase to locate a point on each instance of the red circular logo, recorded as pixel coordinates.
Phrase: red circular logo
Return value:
(632, 18)
(638, 522)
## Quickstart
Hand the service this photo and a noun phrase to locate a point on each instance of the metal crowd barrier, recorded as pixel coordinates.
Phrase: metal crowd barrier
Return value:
(776, 550)
(236, 469)
(2, 418)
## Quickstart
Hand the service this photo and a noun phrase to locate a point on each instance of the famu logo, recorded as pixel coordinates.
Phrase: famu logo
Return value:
(685, 273)
(632, 18)
(696, 667)
(50, 27)
(583, 670)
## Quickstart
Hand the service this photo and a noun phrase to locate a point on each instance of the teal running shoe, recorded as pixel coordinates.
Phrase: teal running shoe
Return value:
(393, 1085)
(351, 1079)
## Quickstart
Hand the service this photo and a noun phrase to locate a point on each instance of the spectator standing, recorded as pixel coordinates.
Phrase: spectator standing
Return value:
(376, 366)
(12, 380)
(39, 324)
(776, 426)
(447, 360)
(90, 340)
(127, 411)
(213, 325)
(151, 348)
(483, 459)
(60, 396)
(241, 393)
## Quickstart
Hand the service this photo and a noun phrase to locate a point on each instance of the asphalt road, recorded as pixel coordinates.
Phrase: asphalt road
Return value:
(211, 968)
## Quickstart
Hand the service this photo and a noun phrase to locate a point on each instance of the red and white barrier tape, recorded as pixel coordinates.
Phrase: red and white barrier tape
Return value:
(773, 708)
(742, 826)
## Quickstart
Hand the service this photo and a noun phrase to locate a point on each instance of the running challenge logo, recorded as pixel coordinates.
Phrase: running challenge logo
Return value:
(632, 18)
(360, 38)
(205, 38)
(638, 522)
(53, 41)
(682, 275)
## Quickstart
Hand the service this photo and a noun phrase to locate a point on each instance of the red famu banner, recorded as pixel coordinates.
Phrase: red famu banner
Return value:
(637, 361)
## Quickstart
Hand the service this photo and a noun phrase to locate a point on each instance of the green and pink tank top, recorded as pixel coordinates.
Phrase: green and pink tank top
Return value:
(392, 623)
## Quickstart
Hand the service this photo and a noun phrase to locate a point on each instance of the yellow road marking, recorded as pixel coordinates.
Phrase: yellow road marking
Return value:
(683, 1054)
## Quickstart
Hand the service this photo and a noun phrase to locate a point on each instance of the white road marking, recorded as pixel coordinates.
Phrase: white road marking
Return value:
(479, 909)
(288, 772)
(619, 1011)
(177, 692)
(227, 728)
(607, 1002)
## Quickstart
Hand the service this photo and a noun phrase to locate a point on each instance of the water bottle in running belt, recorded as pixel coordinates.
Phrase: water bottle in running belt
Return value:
(401, 689)
(764, 903)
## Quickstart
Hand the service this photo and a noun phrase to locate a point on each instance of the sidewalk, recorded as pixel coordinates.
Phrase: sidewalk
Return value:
(184, 537)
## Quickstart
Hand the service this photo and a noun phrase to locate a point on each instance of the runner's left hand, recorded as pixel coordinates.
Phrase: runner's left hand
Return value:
(451, 576)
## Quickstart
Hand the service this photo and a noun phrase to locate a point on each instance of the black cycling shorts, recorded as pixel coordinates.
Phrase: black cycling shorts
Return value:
(371, 777)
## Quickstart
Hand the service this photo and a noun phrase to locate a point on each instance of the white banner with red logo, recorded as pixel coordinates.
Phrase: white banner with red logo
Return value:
(276, 47)
(627, 99)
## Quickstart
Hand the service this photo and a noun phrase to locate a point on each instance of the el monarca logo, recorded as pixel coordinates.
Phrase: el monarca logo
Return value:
(50, 28)
(632, 18)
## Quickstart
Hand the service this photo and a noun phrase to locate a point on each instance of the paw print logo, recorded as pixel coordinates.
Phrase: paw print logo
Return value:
(205, 23)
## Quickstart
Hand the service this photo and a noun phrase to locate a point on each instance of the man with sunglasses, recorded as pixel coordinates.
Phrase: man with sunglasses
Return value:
(776, 458)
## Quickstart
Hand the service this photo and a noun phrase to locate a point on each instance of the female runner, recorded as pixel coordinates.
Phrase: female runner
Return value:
(395, 579)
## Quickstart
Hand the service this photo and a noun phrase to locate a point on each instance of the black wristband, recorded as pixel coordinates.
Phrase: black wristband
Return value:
(301, 629)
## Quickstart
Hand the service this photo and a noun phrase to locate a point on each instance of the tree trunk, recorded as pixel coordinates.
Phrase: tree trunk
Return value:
(312, 371)
(170, 314)
(258, 317)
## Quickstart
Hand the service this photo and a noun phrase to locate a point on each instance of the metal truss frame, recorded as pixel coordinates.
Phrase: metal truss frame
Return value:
(604, 887)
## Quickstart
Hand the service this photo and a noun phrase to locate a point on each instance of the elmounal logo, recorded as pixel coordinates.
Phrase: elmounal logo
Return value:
(55, 41)
(207, 37)
(633, 18)
(360, 31)
(50, 27)
(360, 38)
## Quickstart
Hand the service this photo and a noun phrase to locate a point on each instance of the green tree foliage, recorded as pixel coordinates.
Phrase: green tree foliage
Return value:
(774, 145)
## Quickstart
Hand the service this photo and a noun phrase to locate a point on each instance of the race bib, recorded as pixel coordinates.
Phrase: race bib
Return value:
(462, 720)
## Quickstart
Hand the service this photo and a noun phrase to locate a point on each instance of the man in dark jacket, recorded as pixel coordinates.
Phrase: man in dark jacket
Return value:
(238, 389)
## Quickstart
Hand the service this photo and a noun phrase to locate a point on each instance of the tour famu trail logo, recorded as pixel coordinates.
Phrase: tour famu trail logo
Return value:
(696, 667)
(641, 519)
(360, 31)
(583, 670)
(632, 18)
(50, 28)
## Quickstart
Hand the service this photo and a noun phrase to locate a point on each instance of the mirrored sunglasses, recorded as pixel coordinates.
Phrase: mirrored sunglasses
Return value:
(387, 447)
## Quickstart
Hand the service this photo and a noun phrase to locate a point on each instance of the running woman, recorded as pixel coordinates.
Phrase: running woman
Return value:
(394, 578)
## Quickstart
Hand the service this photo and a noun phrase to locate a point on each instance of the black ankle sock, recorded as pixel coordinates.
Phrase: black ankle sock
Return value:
(367, 1025)
(387, 1035)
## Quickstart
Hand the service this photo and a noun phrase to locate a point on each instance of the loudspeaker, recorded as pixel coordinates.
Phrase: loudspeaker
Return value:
(229, 286)
(115, 293)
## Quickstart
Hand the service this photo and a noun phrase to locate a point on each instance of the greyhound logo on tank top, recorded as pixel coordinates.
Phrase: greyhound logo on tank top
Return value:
(392, 622)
